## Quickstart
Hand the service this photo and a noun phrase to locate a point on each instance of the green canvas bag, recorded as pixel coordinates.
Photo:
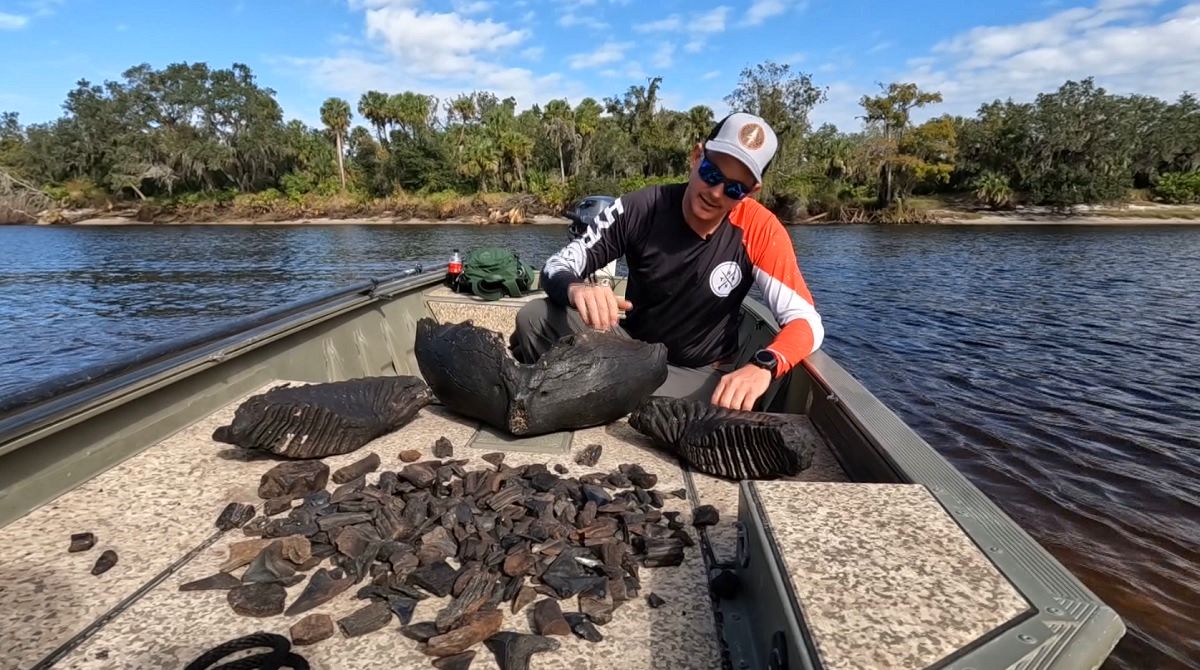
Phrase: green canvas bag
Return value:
(492, 272)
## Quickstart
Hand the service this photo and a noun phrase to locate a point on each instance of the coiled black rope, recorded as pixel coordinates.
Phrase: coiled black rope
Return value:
(279, 657)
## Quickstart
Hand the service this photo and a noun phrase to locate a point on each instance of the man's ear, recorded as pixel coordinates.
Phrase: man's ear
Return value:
(695, 157)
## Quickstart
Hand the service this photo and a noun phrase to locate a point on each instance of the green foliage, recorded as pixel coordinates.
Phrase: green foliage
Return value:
(992, 189)
(1180, 188)
(193, 136)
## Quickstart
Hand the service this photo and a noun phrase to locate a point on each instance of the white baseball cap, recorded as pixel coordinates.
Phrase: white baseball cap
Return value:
(747, 138)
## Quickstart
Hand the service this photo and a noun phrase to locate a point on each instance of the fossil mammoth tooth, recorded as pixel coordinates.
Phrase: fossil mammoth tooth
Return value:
(726, 443)
(586, 379)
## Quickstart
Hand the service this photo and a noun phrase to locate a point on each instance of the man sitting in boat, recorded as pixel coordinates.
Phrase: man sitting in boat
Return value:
(693, 250)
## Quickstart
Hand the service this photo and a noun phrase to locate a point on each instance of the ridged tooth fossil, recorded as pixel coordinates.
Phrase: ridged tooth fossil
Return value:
(586, 379)
(723, 442)
(319, 420)
(82, 542)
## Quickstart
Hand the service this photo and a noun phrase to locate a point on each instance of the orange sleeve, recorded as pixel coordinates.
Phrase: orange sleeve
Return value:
(777, 275)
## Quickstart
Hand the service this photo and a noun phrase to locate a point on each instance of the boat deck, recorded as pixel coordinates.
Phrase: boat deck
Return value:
(888, 579)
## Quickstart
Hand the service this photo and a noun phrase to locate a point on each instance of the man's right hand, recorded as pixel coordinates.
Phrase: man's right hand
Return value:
(597, 304)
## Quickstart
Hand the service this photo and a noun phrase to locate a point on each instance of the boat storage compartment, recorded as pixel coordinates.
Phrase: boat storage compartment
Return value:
(857, 576)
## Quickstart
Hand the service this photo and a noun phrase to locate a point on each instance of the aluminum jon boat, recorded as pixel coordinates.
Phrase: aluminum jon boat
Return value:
(879, 556)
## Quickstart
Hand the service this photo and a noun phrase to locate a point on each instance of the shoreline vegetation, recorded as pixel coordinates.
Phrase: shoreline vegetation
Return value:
(189, 143)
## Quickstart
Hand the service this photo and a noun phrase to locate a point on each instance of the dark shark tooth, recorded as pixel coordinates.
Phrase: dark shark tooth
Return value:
(241, 553)
(269, 566)
(319, 420)
(596, 494)
(513, 650)
(351, 490)
(421, 632)
(726, 443)
(583, 627)
(235, 515)
(257, 600)
(680, 493)
(475, 629)
(105, 563)
(525, 596)
(548, 618)
(436, 578)
(683, 536)
(495, 458)
(560, 468)
(221, 581)
(654, 600)
(322, 587)
(443, 448)
(456, 662)
(519, 563)
(359, 468)
(617, 480)
(420, 475)
(311, 629)
(81, 542)
(285, 526)
(365, 620)
(705, 515)
(402, 607)
(589, 455)
(293, 479)
(585, 379)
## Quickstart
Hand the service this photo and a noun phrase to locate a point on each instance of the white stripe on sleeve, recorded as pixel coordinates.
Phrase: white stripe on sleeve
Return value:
(787, 305)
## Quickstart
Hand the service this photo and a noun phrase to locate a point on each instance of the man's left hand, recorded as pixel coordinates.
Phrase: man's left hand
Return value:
(742, 388)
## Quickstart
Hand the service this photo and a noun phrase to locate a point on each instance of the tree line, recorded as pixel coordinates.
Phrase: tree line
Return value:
(189, 132)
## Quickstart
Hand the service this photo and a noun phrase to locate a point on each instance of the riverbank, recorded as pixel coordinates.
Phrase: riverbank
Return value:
(534, 220)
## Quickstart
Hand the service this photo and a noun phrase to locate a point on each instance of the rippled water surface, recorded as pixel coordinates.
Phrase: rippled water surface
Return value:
(1057, 367)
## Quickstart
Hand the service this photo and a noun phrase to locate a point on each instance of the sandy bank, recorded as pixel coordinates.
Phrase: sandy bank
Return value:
(537, 220)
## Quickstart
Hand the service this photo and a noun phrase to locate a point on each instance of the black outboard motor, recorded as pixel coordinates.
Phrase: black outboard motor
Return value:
(585, 211)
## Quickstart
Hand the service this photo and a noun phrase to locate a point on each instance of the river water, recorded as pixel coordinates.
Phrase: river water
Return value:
(1057, 367)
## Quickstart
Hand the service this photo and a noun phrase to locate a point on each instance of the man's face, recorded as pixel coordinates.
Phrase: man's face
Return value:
(709, 204)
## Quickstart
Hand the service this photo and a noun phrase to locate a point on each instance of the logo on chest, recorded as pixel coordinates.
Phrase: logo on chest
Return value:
(724, 278)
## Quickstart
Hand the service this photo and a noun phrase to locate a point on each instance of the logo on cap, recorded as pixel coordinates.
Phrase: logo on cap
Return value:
(752, 136)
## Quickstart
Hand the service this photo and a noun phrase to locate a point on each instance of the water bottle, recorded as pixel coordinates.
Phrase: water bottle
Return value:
(456, 266)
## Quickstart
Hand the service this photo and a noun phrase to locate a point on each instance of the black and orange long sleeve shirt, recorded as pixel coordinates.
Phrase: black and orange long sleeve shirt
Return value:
(687, 291)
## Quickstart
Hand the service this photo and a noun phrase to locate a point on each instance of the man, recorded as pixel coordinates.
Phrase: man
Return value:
(693, 250)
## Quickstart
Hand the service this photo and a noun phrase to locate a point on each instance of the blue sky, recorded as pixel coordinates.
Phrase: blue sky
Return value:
(307, 50)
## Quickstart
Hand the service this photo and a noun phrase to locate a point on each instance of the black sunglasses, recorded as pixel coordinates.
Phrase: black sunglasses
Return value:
(712, 175)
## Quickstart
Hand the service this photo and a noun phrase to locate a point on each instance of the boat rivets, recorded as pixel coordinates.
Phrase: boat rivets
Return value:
(994, 549)
(1053, 610)
(1027, 639)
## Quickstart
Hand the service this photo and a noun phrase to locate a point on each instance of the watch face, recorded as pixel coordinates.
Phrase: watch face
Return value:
(765, 357)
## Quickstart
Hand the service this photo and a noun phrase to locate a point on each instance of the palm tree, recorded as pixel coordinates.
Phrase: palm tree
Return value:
(373, 107)
(700, 122)
(587, 123)
(560, 125)
(335, 114)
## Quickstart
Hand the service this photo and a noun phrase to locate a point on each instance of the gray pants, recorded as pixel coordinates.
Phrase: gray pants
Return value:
(541, 323)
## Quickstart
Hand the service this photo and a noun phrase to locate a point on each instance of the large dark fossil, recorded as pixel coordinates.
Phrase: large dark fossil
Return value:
(321, 420)
(586, 379)
(726, 443)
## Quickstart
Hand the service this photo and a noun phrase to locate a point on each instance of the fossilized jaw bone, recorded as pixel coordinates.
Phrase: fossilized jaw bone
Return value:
(726, 443)
(586, 379)
(321, 420)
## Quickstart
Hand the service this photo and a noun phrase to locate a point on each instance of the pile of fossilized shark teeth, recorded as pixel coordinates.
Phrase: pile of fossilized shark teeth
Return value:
(483, 538)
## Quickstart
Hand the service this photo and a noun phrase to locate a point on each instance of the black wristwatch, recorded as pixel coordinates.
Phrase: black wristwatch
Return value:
(766, 359)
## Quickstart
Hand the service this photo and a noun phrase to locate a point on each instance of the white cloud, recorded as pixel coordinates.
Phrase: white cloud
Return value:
(12, 21)
(532, 53)
(469, 7)
(442, 43)
(664, 56)
(704, 24)
(609, 52)
(670, 24)
(761, 10)
(840, 108)
(881, 46)
(711, 74)
(572, 20)
(1116, 41)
